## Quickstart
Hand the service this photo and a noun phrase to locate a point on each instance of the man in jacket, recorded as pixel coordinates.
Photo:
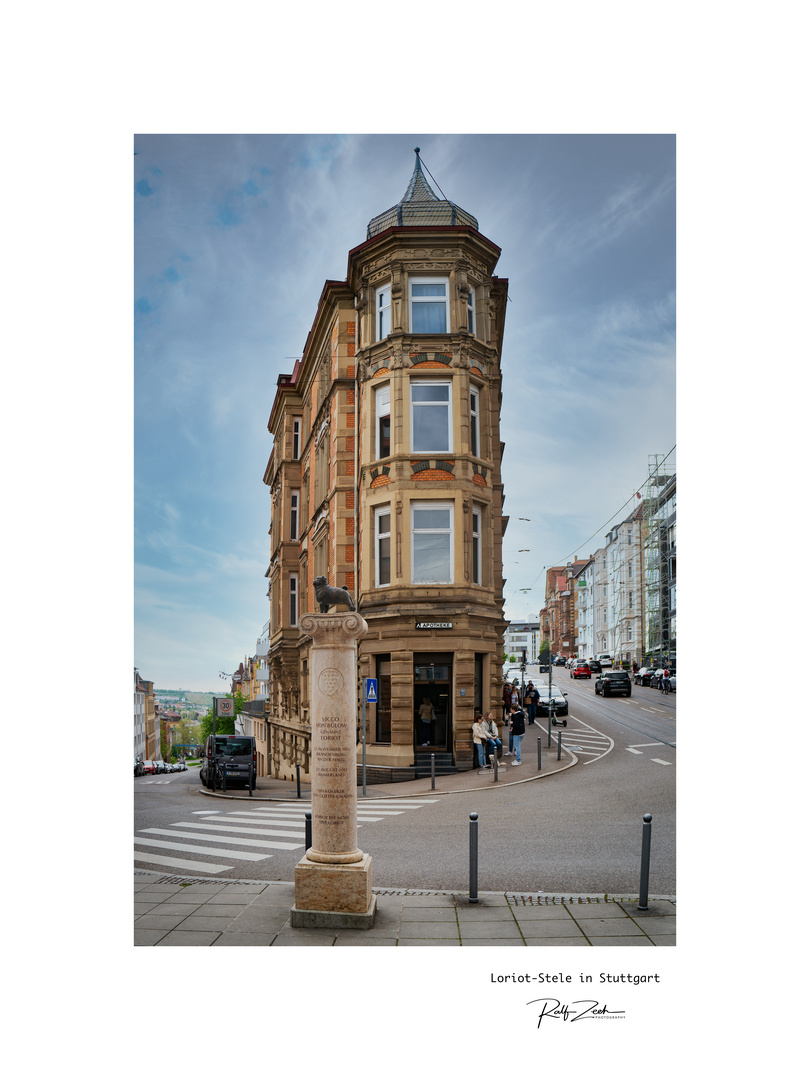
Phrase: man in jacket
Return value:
(491, 728)
(517, 729)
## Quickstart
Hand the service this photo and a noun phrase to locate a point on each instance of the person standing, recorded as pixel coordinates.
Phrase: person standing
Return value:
(517, 729)
(425, 716)
(507, 701)
(530, 701)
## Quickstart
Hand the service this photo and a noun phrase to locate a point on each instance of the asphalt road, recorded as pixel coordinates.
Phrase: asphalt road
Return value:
(576, 832)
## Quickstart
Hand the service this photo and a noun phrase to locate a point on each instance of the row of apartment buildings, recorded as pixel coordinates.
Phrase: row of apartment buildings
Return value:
(153, 725)
(622, 599)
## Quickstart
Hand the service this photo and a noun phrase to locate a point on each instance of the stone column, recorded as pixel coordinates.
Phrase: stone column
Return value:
(333, 880)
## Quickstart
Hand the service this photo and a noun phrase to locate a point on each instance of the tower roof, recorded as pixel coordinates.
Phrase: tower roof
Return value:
(420, 205)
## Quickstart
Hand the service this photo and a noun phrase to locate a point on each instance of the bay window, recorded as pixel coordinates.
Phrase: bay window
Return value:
(474, 440)
(383, 320)
(382, 546)
(430, 417)
(476, 547)
(431, 542)
(382, 410)
(429, 305)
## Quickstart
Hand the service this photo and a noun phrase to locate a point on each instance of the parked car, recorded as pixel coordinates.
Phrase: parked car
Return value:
(595, 666)
(560, 661)
(149, 768)
(556, 697)
(605, 659)
(613, 682)
(581, 670)
(643, 676)
(668, 689)
(160, 767)
(139, 770)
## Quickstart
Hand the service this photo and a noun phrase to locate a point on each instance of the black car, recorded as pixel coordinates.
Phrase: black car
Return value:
(595, 666)
(643, 675)
(613, 682)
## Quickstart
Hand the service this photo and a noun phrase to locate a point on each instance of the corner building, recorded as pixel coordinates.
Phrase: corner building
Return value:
(385, 478)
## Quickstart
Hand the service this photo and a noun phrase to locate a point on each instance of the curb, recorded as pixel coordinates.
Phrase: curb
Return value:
(412, 795)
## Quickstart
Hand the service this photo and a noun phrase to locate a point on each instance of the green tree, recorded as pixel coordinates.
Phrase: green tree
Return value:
(224, 726)
(544, 651)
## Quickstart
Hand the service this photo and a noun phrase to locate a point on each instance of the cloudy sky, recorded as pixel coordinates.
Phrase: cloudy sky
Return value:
(234, 238)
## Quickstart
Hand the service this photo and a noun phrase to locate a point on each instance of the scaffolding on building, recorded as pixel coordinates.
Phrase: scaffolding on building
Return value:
(659, 561)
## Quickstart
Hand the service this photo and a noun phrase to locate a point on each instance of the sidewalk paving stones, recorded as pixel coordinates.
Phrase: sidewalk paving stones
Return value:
(256, 913)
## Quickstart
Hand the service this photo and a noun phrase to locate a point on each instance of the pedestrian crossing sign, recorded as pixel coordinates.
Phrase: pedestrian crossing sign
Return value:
(371, 690)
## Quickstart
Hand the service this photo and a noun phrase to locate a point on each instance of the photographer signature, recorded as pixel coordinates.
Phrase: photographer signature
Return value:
(587, 1010)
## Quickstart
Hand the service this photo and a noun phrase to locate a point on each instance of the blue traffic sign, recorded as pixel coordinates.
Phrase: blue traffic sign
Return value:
(371, 690)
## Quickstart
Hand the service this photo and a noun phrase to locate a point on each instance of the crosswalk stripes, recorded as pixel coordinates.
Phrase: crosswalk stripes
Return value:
(230, 834)
(584, 742)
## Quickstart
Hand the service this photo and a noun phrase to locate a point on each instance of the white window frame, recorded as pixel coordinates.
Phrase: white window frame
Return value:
(434, 531)
(379, 513)
(293, 597)
(296, 439)
(382, 312)
(471, 310)
(477, 517)
(295, 510)
(475, 426)
(448, 405)
(433, 279)
(382, 408)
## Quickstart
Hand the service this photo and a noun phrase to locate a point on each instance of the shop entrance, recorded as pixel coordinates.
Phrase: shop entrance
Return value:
(433, 701)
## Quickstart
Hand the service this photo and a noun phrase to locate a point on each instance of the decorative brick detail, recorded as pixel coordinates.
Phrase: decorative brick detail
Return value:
(477, 371)
(350, 396)
(349, 500)
(430, 364)
(349, 468)
(351, 328)
(417, 357)
(350, 442)
(350, 348)
(380, 481)
(349, 553)
(477, 479)
(349, 526)
(350, 419)
(350, 582)
(350, 370)
(381, 371)
(447, 466)
(432, 474)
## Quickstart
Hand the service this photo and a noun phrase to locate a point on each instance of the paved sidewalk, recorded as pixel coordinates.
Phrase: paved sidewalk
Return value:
(171, 910)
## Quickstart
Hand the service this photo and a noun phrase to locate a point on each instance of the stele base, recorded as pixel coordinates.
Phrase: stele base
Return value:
(334, 895)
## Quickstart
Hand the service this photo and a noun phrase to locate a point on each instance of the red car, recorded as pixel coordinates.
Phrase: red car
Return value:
(149, 767)
(581, 670)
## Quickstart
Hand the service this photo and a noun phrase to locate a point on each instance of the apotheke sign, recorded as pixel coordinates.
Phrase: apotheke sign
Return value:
(434, 626)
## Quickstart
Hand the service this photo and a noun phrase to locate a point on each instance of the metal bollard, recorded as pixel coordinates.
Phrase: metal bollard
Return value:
(549, 728)
(473, 858)
(646, 837)
(539, 753)
(298, 780)
(250, 781)
(495, 765)
(432, 772)
(559, 744)
(307, 831)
